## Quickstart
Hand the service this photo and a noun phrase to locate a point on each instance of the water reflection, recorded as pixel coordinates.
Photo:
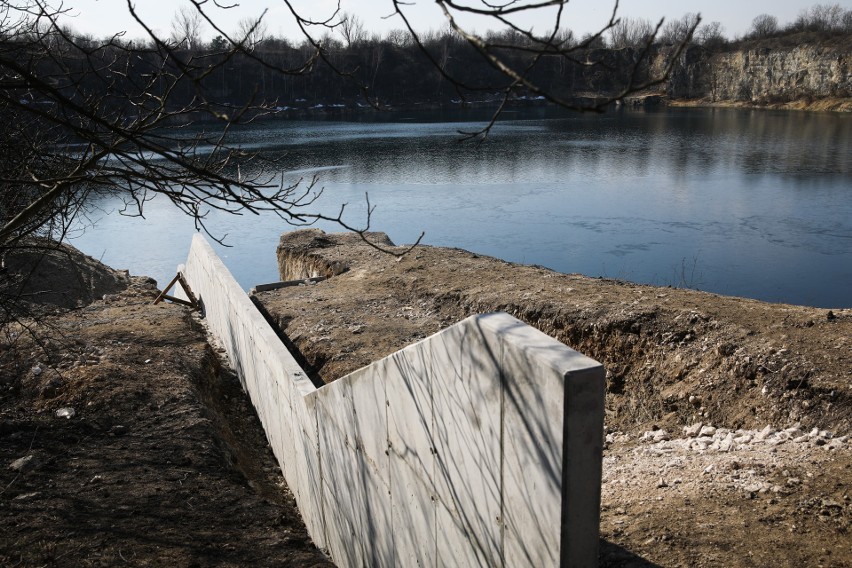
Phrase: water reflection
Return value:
(758, 203)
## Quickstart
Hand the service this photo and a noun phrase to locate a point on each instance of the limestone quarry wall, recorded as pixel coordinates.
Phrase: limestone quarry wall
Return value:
(762, 73)
(480, 445)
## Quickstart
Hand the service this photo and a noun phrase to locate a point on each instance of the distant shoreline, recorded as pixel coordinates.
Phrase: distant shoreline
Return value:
(828, 104)
(639, 101)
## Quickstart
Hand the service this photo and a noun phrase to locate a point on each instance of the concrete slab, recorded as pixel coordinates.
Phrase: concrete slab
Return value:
(548, 459)
(342, 489)
(467, 389)
(309, 470)
(285, 450)
(369, 429)
(411, 446)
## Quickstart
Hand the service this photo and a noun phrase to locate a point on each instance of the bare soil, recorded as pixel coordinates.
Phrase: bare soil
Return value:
(163, 461)
(40, 276)
(766, 483)
(124, 442)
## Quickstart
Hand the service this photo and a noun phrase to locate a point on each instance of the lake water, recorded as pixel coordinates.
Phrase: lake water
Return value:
(749, 203)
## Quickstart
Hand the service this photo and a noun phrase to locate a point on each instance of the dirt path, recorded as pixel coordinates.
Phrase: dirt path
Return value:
(163, 462)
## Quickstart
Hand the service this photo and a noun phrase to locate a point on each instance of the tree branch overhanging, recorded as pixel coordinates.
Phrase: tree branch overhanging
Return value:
(115, 115)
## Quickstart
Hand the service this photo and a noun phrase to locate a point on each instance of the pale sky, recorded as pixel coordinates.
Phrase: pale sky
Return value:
(105, 17)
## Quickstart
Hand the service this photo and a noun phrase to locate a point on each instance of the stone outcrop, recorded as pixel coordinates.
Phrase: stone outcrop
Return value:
(762, 73)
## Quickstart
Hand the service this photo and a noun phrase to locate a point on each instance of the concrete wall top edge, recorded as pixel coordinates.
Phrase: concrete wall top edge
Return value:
(239, 300)
(521, 337)
(534, 343)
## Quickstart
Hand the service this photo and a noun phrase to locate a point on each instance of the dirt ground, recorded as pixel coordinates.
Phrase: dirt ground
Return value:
(163, 462)
(124, 442)
(727, 419)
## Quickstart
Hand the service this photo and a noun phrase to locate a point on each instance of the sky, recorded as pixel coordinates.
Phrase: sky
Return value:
(102, 18)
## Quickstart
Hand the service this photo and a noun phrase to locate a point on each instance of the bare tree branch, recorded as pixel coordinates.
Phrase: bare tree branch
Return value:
(140, 119)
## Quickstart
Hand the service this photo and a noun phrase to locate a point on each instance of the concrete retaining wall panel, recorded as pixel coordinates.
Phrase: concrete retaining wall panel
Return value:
(369, 425)
(369, 429)
(353, 486)
(308, 472)
(285, 451)
(480, 445)
(467, 389)
(272, 406)
(365, 474)
(261, 375)
(343, 490)
(411, 464)
(532, 474)
(540, 374)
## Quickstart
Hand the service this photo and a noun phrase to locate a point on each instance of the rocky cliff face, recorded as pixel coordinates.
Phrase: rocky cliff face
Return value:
(761, 74)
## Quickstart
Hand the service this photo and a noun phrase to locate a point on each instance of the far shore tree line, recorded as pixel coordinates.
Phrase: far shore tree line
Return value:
(348, 66)
(817, 22)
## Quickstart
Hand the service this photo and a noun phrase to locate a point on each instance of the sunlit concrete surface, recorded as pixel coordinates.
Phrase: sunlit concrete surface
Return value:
(478, 446)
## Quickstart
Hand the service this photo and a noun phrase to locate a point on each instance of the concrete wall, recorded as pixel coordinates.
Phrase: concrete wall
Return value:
(478, 446)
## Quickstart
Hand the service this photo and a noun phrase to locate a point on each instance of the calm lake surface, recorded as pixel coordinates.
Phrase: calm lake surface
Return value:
(749, 203)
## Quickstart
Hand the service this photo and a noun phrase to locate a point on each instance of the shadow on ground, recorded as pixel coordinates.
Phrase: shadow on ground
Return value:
(614, 556)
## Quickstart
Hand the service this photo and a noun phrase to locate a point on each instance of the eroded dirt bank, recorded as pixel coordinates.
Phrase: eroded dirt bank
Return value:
(673, 356)
(726, 417)
(124, 442)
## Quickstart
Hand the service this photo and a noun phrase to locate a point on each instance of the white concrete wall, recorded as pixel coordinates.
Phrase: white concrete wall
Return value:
(478, 446)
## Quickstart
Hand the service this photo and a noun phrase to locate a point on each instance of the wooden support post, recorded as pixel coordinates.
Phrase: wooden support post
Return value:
(164, 295)
(168, 287)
